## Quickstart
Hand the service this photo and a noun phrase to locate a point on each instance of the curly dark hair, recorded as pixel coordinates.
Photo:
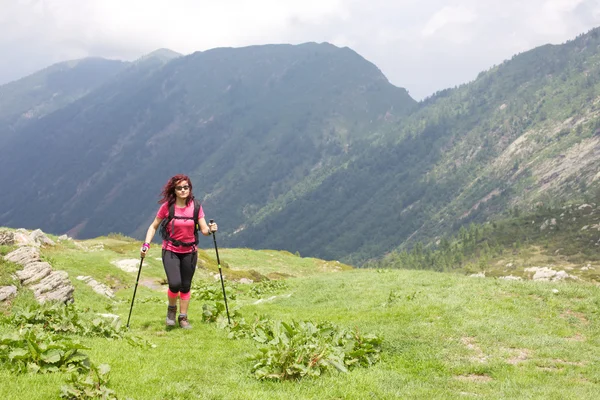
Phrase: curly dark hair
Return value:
(168, 191)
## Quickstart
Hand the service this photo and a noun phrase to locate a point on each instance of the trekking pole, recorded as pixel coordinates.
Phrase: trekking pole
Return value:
(214, 235)
(135, 290)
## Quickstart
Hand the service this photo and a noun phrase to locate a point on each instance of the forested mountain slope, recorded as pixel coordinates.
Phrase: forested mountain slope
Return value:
(246, 125)
(523, 132)
(309, 148)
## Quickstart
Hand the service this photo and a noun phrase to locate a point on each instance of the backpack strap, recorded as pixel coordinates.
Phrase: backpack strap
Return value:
(171, 211)
(172, 221)
(197, 206)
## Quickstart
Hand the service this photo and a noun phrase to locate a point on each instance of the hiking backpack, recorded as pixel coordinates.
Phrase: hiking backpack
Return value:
(171, 219)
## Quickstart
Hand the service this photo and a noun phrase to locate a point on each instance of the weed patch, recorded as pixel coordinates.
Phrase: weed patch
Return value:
(267, 287)
(92, 385)
(67, 319)
(44, 343)
(31, 351)
(206, 291)
(290, 351)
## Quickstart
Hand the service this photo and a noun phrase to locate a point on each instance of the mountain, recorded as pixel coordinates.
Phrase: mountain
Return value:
(246, 124)
(46, 91)
(524, 132)
(164, 55)
(309, 148)
(37, 95)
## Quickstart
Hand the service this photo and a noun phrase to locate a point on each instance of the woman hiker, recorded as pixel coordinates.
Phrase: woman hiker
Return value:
(179, 253)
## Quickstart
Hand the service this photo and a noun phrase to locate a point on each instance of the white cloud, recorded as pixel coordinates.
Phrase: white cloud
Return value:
(554, 17)
(423, 45)
(448, 16)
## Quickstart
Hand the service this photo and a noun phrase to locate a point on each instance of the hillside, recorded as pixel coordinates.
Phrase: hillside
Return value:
(523, 132)
(547, 243)
(246, 124)
(442, 335)
(37, 95)
(310, 149)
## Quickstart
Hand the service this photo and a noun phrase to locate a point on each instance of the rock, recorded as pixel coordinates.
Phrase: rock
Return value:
(511, 278)
(509, 265)
(479, 275)
(7, 238)
(40, 239)
(33, 272)
(63, 238)
(560, 275)
(585, 228)
(113, 317)
(54, 287)
(7, 291)
(584, 206)
(548, 274)
(22, 238)
(110, 316)
(37, 275)
(555, 291)
(23, 255)
(80, 246)
(246, 281)
(62, 294)
(544, 225)
(98, 287)
(127, 265)
(97, 247)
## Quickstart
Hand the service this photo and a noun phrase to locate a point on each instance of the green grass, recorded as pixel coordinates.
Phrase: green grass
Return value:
(276, 264)
(561, 238)
(445, 336)
(7, 269)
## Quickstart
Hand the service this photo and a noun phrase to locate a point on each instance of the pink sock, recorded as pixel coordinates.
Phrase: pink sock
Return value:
(185, 296)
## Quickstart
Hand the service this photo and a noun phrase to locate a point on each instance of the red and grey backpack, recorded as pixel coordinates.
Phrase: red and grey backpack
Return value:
(171, 219)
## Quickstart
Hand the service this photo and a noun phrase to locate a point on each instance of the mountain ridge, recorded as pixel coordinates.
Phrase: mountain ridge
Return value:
(297, 147)
(224, 124)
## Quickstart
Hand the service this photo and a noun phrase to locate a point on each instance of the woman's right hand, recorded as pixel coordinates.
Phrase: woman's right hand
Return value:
(144, 249)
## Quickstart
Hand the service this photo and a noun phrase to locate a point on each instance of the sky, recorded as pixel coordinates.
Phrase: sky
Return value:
(421, 45)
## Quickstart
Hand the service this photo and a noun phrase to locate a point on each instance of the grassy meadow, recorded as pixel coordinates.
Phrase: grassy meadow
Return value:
(445, 336)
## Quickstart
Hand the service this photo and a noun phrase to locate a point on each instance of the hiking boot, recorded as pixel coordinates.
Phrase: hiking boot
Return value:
(183, 322)
(171, 313)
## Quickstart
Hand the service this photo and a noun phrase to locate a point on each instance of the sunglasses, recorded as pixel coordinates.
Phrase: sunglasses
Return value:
(180, 188)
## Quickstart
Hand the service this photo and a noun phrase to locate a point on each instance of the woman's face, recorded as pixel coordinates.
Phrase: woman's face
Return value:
(182, 190)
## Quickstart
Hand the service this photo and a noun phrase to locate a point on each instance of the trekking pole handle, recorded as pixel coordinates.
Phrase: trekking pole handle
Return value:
(214, 235)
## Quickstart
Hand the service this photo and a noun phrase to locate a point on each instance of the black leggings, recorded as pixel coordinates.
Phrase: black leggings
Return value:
(180, 270)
